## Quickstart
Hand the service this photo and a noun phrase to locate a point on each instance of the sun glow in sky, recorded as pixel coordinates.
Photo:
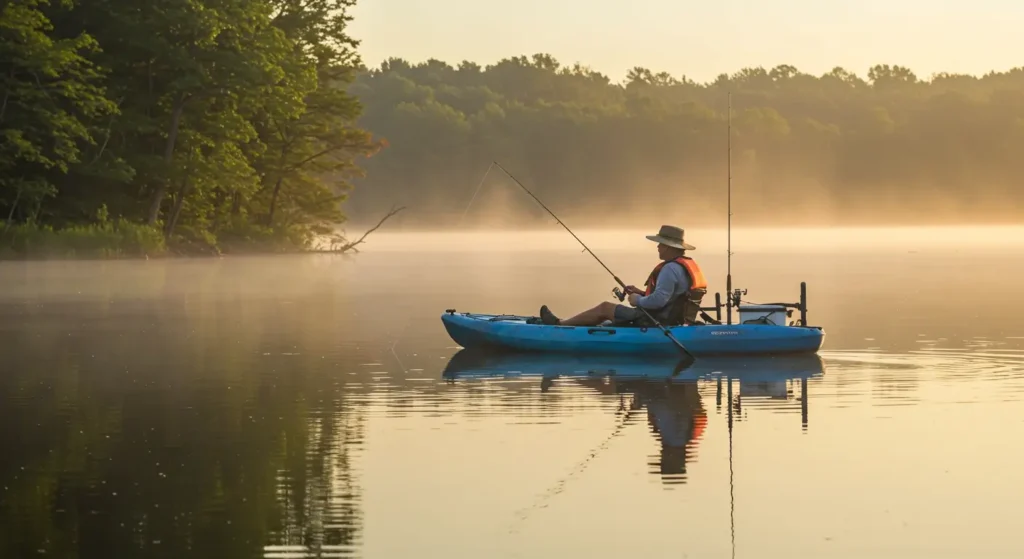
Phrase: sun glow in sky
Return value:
(700, 39)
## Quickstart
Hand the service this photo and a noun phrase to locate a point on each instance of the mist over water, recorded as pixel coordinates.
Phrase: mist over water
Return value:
(712, 242)
(301, 406)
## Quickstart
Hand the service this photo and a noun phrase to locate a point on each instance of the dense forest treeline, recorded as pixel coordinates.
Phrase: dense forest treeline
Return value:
(841, 147)
(214, 125)
(131, 126)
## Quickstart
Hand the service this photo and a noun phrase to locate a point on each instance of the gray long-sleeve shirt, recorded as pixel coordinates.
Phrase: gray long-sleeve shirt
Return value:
(672, 281)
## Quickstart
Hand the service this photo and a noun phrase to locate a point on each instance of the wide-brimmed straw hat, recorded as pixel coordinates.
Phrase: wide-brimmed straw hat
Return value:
(671, 236)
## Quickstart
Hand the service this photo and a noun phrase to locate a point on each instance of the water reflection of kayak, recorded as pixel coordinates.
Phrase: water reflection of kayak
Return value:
(666, 387)
(470, 363)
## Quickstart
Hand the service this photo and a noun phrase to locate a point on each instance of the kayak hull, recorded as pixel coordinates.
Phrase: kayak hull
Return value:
(511, 332)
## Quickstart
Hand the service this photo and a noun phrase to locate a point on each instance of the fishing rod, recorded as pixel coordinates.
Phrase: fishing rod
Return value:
(585, 247)
(732, 298)
(728, 250)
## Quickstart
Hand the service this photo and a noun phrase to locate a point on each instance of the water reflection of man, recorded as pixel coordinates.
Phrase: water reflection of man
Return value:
(675, 414)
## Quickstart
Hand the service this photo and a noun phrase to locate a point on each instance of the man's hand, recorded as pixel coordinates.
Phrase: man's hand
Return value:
(634, 289)
(633, 298)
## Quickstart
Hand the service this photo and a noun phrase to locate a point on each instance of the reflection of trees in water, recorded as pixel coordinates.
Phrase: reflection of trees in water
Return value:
(167, 433)
(317, 490)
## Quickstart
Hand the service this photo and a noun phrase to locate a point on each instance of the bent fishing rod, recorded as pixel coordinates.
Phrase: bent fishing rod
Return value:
(585, 247)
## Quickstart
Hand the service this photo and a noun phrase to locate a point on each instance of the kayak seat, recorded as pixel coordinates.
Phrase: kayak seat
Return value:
(682, 312)
(686, 306)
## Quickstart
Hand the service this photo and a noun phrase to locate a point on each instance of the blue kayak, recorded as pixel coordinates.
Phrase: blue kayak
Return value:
(513, 332)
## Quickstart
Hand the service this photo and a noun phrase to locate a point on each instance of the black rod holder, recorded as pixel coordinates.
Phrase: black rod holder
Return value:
(803, 303)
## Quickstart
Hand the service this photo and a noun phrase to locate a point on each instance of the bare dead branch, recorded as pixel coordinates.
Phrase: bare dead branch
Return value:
(340, 245)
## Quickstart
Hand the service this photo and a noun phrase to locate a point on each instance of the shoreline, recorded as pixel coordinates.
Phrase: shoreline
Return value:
(874, 238)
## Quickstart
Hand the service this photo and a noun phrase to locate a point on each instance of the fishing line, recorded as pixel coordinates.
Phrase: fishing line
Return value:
(395, 344)
(477, 191)
(585, 247)
(400, 364)
(523, 514)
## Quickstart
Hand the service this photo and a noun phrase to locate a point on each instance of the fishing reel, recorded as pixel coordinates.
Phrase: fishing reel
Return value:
(619, 294)
(736, 295)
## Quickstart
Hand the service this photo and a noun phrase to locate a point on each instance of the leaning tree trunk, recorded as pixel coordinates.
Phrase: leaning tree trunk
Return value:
(183, 191)
(172, 135)
(10, 215)
(172, 221)
(273, 201)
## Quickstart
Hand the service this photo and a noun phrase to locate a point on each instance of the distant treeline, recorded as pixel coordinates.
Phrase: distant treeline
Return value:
(126, 126)
(131, 128)
(656, 145)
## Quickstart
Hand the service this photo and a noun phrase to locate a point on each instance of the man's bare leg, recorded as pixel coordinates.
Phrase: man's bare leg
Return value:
(591, 317)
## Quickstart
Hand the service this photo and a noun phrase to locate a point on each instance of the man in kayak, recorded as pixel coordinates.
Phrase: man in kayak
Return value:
(673, 295)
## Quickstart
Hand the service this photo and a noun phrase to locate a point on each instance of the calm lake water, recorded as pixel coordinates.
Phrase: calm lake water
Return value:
(313, 406)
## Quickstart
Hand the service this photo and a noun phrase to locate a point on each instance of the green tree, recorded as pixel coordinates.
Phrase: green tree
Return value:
(217, 121)
(51, 92)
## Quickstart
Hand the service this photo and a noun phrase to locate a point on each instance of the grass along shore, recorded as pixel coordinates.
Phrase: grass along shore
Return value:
(123, 239)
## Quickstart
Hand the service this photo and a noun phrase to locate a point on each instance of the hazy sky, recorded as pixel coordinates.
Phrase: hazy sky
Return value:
(701, 39)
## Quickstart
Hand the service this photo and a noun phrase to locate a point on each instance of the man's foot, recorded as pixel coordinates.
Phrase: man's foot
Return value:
(548, 317)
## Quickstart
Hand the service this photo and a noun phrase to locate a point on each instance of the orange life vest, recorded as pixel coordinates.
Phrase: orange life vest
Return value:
(697, 280)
